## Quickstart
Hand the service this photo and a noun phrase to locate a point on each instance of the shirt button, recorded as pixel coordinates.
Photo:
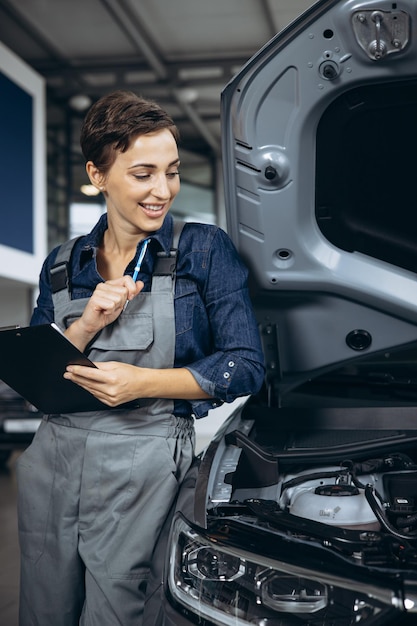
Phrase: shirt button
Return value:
(231, 363)
(226, 375)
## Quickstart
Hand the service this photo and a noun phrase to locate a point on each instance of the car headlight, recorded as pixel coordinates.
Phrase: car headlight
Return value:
(229, 586)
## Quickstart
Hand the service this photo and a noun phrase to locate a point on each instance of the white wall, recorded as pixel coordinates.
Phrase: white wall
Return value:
(207, 427)
(20, 267)
(15, 305)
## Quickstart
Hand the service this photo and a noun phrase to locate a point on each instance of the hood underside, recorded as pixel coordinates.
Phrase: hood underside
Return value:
(319, 132)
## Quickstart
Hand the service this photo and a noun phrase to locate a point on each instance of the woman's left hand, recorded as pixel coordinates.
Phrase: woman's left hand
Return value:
(113, 383)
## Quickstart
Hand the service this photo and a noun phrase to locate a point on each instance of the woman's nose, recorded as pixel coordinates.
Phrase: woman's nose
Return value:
(161, 187)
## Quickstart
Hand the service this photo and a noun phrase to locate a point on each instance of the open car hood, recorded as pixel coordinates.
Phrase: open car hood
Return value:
(319, 148)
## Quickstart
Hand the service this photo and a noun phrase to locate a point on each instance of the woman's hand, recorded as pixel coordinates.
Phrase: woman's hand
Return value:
(115, 383)
(112, 382)
(104, 306)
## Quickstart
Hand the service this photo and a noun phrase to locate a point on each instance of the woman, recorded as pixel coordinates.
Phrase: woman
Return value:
(170, 340)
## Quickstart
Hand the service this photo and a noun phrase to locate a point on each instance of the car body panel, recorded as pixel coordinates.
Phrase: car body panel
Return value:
(299, 180)
(303, 507)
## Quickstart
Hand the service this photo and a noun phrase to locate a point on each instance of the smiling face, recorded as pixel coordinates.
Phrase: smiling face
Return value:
(141, 184)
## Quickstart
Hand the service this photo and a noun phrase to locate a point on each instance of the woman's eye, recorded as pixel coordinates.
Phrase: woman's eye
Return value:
(148, 176)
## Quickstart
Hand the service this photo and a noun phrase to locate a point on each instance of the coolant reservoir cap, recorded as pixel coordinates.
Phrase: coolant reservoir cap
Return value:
(337, 490)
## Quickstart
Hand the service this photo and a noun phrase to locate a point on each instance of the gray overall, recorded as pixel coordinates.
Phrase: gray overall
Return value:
(95, 487)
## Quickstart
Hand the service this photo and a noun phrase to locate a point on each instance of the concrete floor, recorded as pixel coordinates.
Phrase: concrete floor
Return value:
(9, 549)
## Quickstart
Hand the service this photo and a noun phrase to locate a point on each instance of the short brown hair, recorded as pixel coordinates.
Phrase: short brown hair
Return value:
(114, 121)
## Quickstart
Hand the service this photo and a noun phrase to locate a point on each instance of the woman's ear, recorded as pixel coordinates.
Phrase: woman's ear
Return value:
(96, 177)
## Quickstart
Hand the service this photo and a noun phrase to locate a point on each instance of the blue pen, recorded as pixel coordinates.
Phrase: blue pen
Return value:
(136, 271)
(140, 258)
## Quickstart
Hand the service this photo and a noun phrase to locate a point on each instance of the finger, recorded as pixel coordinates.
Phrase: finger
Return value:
(139, 285)
(99, 390)
(106, 365)
(127, 284)
(82, 372)
(105, 290)
(124, 280)
(106, 304)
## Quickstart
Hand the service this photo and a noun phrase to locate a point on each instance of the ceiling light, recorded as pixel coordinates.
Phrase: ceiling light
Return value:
(140, 77)
(188, 95)
(80, 102)
(197, 73)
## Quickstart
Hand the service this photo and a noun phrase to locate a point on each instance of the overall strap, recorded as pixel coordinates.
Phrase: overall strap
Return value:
(59, 273)
(61, 280)
(166, 263)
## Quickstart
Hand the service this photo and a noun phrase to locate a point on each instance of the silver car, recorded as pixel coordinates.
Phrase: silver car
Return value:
(303, 508)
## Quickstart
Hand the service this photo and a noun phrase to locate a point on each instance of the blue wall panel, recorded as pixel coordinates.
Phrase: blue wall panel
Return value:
(16, 167)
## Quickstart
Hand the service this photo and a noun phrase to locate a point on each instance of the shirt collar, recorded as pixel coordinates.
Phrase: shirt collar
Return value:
(163, 236)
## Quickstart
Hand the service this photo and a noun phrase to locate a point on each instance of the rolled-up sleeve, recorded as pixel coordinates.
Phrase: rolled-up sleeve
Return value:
(225, 378)
(235, 367)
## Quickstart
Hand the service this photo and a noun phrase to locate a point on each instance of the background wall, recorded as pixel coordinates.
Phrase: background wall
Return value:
(23, 185)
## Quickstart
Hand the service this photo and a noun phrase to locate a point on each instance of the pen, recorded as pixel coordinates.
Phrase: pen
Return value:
(136, 271)
(140, 258)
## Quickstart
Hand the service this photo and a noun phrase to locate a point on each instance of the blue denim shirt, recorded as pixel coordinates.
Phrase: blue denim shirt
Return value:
(217, 336)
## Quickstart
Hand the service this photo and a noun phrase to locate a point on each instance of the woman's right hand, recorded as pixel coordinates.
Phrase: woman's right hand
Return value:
(104, 306)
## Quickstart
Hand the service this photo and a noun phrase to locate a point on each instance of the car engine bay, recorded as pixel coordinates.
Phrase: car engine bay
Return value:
(356, 497)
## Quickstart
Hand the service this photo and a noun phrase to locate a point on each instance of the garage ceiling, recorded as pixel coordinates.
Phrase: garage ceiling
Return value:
(178, 52)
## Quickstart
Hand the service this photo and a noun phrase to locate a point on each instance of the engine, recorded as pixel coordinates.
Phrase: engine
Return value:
(378, 494)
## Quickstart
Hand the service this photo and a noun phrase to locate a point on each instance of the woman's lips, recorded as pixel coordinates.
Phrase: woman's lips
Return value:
(153, 210)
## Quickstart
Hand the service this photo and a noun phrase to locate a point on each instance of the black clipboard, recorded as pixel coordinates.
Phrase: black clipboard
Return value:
(33, 360)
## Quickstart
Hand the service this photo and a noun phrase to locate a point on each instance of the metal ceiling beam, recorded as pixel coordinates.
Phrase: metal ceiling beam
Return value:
(200, 69)
(17, 16)
(167, 74)
(20, 19)
(272, 26)
(136, 32)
